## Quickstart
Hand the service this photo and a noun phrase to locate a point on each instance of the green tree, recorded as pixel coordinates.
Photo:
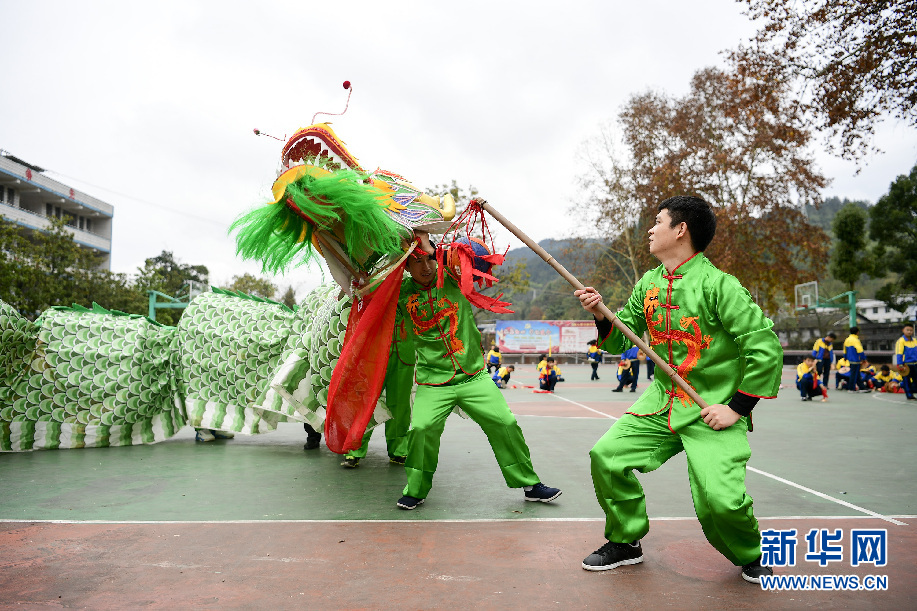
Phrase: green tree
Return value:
(893, 226)
(165, 274)
(535, 313)
(289, 298)
(111, 290)
(43, 269)
(253, 285)
(850, 259)
(17, 281)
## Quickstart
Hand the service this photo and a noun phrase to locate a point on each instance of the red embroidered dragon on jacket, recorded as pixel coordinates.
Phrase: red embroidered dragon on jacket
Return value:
(690, 334)
(442, 309)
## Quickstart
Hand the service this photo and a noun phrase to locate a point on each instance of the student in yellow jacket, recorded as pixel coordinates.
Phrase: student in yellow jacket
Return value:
(807, 381)
(494, 358)
(906, 360)
(853, 352)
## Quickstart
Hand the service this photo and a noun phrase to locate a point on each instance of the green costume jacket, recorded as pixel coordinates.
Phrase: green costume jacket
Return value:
(446, 341)
(403, 341)
(706, 326)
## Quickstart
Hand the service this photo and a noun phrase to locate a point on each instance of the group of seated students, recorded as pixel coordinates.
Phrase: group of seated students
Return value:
(888, 381)
(809, 384)
(883, 380)
(548, 373)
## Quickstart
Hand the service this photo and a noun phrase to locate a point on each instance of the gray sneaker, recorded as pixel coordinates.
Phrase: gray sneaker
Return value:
(613, 555)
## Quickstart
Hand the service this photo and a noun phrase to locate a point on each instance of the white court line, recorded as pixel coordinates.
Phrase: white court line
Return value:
(584, 407)
(779, 479)
(886, 400)
(825, 496)
(451, 521)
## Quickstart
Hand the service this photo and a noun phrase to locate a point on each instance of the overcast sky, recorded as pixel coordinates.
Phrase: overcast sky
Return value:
(151, 106)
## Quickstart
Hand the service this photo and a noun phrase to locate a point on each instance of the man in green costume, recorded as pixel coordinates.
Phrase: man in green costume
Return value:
(709, 329)
(399, 379)
(451, 372)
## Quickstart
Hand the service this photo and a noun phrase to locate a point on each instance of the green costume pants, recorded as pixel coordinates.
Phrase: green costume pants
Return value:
(716, 470)
(482, 401)
(399, 380)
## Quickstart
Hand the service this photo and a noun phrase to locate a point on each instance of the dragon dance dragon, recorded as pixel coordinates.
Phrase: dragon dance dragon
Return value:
(88, 377)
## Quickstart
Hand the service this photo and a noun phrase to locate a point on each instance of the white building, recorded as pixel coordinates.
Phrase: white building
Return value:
(876, 311)
(29, 198)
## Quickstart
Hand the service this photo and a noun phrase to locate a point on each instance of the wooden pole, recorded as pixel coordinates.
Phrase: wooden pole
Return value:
(620, 326)
(330, 250)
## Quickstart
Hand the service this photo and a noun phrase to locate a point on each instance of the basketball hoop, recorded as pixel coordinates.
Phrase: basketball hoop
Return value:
(806, 295)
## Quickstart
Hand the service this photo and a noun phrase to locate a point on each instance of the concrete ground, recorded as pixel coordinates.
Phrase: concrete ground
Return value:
(256, 522)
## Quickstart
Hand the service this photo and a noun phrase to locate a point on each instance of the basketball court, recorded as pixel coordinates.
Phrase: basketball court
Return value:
(258, 523)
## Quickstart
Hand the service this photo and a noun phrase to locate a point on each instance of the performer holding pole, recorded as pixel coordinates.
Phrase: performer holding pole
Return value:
(721, 342)
(600, 307)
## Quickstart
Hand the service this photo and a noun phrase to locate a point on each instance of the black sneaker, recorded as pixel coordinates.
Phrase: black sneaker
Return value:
(612, 555)
(542, 494)
(350, 462)
(397, 460)
(753, 571)
(617, 390)
(409, 502)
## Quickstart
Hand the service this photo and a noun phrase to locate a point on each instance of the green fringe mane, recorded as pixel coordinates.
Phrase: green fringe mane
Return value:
(272, 233)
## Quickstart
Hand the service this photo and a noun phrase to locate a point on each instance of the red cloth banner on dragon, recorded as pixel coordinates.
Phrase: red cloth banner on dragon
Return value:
(359, 376)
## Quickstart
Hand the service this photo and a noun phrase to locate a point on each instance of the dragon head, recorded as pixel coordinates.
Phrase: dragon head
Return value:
(317, 151)
(325, 203)
(311, 144)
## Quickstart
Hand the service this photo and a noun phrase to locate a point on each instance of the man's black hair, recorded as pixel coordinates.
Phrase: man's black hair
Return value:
(854, 330)
(697, 213)
(832, 335)
(908, 324)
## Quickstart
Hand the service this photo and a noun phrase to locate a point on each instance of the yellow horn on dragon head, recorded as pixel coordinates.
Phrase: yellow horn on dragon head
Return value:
(445, 204)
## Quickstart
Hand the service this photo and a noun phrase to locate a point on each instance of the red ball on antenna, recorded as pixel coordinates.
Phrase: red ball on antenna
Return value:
(257, 132)
(346, 84)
